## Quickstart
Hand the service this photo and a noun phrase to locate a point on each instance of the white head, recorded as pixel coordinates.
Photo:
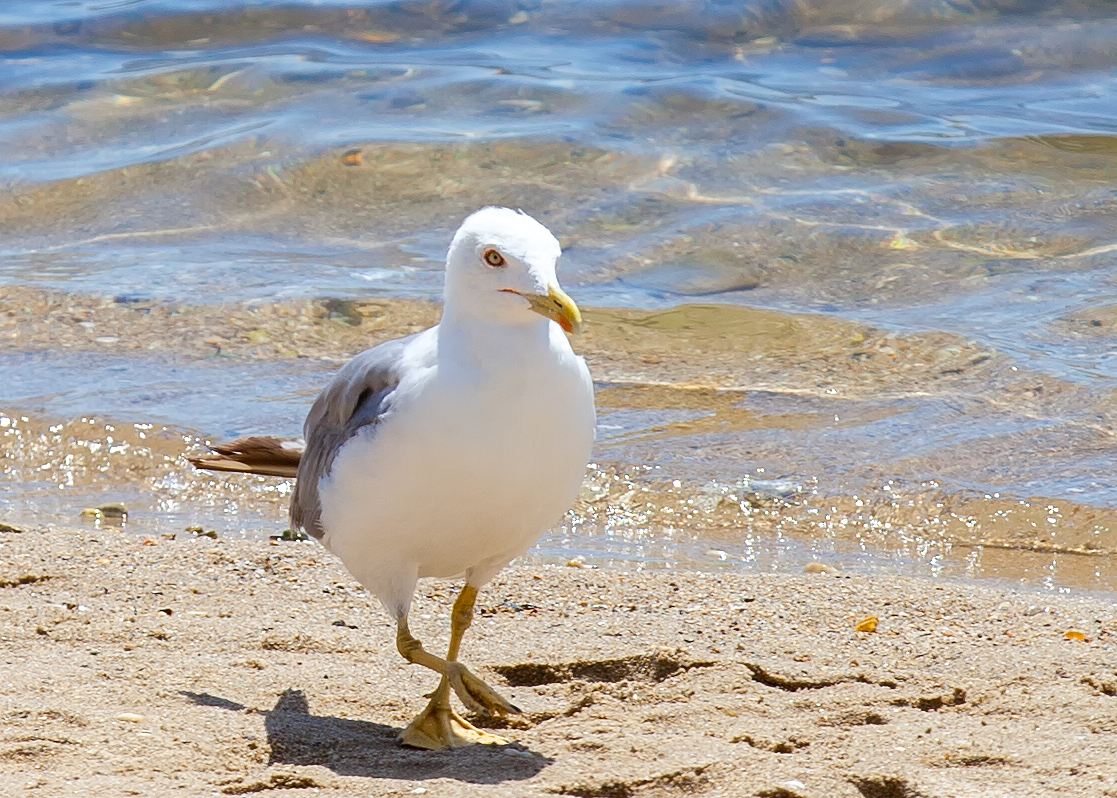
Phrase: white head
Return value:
(501, 268)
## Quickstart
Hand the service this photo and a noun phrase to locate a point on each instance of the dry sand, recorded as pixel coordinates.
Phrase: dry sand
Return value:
(201, 667)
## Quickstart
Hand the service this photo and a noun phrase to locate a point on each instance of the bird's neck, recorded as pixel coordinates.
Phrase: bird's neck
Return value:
(481, 342)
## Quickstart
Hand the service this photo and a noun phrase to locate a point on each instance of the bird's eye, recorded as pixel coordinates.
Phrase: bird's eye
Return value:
(493, 258)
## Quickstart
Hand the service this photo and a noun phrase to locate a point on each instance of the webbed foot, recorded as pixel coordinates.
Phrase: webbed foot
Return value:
(475, 693)
(439, 727)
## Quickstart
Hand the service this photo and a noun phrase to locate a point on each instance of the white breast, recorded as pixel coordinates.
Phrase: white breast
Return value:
(466, 474)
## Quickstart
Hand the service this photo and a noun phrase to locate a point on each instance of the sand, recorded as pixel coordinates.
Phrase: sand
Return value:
(201, 667)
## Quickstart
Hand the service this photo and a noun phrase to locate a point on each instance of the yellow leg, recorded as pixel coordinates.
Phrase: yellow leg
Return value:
(461, 618)
(438, 726)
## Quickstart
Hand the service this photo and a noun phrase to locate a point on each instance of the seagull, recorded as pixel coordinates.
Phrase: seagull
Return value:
(448, 453)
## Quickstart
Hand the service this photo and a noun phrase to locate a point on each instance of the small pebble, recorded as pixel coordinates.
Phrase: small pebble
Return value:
(868, 625)
(113, 509)
(130, 717)
(114, 512)
(820, 568)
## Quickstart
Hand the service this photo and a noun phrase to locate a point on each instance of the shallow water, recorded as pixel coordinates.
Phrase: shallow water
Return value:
(862, 252)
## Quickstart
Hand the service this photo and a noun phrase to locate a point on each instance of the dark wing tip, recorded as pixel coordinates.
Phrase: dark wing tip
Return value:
(258, 454)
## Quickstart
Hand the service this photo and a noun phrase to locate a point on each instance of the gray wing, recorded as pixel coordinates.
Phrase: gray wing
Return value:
(360, 395)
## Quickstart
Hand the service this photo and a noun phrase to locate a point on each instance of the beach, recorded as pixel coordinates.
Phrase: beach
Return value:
(194, 666)
(847, 272)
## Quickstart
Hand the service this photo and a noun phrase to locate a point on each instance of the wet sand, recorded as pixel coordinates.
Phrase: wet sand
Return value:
(201, 667)
(697, 402)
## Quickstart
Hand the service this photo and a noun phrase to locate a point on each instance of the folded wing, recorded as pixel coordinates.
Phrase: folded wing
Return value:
(359, 396)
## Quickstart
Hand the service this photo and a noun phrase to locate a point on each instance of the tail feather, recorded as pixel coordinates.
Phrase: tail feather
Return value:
(259, 454)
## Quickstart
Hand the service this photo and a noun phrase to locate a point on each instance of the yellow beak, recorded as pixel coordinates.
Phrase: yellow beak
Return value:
(556, 305)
